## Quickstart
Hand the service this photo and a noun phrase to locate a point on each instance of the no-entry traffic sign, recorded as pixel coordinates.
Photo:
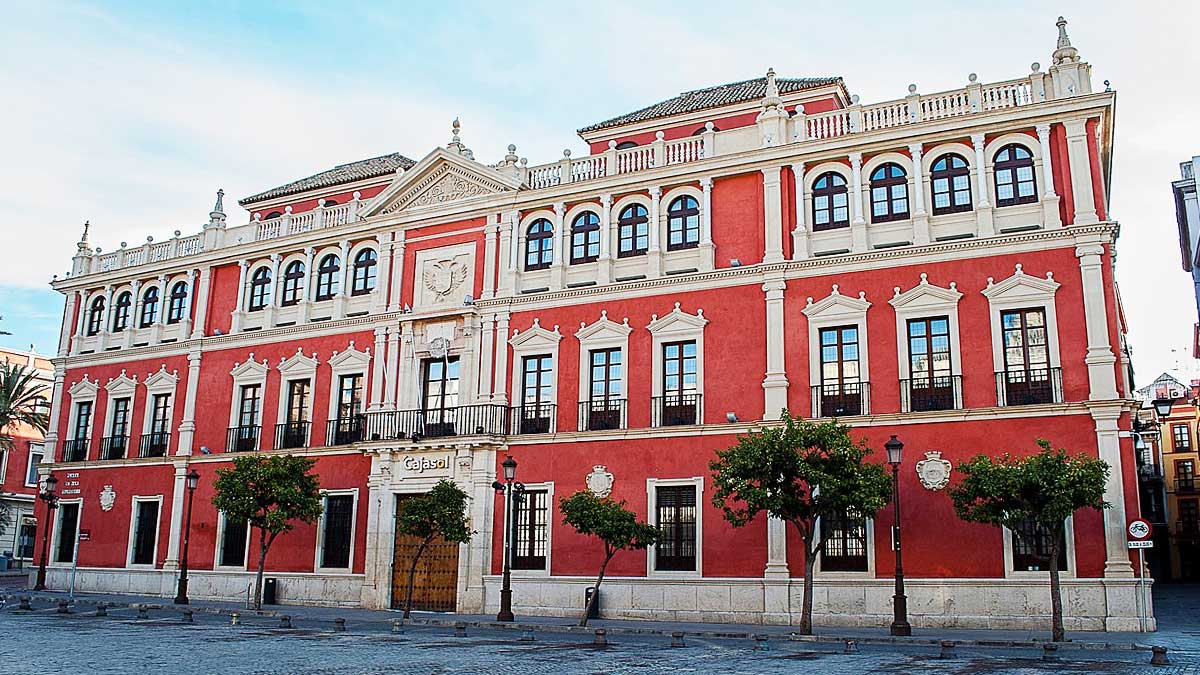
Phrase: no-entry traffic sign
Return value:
(1139, 529)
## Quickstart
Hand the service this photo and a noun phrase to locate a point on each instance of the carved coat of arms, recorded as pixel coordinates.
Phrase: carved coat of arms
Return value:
(444, 277)
(108, 497)
(600, 481)
(934, 471)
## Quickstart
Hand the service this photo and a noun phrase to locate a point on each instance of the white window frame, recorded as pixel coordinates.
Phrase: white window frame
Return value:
(664, 217)
(220, 542)
(133, 512)
(348, 362)
(1069, 573)
(548, 488)
(120, 387)
(39, 448)
(922, 301)
(676, 326)
(652, 485)
(83, 391)
(271, 294)
(846, 574)
(831, 311)
(1034, 147)
(157, 383)
(320, 547)
(535, 341)
(298, 366)
(1022, 291)
(904, 162)
(248, 372)
(52, 557)
(604, 333)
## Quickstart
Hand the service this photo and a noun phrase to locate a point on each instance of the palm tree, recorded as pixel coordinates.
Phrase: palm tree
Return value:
(21, 401)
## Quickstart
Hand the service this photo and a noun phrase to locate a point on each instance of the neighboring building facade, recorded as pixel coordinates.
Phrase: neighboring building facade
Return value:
(1165, 446)
(1180, 463)
(938, 267)
(19, 468)
(1187, 217)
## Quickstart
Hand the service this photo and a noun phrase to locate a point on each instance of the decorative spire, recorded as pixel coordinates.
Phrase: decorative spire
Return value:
(216, 217)
(1063, 40)
(84, 246)
(772, 98)
(1065, 52)
(456, 144)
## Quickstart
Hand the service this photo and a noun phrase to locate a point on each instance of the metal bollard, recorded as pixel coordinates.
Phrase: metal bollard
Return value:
(63, 607)
(947, 650)
(25, 604)
(285, 621)
(677, 639)
(760, 643)
(1049, 652)
(102, 609)
(601, 639)
(235, 619)
(526, 634)
(186, 616)
(339, 625)
(1159, 656)
(398, 626)
(142, 612)
(460, 629)
(850, 648)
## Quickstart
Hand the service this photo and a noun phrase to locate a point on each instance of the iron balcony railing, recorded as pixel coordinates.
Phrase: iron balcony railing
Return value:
(75, 449)
(242, 438)
(154, 444)
(533, 418)
(1183, 485)
(1187, 527)
(345, 430)
(113, 447)
(437, 423)
(290, 435)
(841, 399)
(1029, 387)
(1150, 471)
(675, 410)
(923, 394)
(602, 414)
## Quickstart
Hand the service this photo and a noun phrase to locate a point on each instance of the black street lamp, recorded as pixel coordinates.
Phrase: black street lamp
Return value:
(900, 626)
(181, 597)
(1163, 406)
(49, 496)
(509, 465)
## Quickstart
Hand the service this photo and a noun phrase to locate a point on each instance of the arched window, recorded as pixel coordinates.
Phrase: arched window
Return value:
(260, 289)
(327, 276)
(889, 194)
(330, 202)
(951, 179)
(178, 301)
(273, 214)
(683, 223)
(625, 145)
(539, 245)
(701, 129)
(120, 316)
(364, 272)
(1015, 183)
(293, 281)
(633, 231)
(585, 238)
(831, 206)
(149, 307)
(96, 316)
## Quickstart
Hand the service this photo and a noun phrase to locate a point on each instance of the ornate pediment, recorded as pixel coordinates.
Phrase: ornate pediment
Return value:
(350, 358)
(121, 386)
(925, 294)
(677, 321)
(536, 335)
(298, 365)
(603, 327)
(249, 369)
(1021, 286)
(442, 178)
(162, 380)
(836, 304)
(85, 388)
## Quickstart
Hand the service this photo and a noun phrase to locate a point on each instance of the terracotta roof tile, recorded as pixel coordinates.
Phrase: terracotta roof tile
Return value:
(342, 173)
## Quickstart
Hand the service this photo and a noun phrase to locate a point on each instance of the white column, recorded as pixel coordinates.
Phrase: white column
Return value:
(343, 292)
(198, 329)
(56, 402)
(487, 350)
(775, 384)
(920, 217)
(604, 268)
(558, 266)
(653, 247)
(185, 326)
(858, 222)
(509, 247)
(1050, 199)
(135, 308)
(383, 282)
(392, 373)
(489, 256)
(240, 310)
(776, 576)
(67, 329)
(397, 274)
(1081, 172)
(772, 215)
(309, 275)
(983, 204)
(500, 386)
(408, 370)
(106, 325)
(179, 488)
(377, 581)
(1100, 360)
(187, 425)
(274, 297)
(800, 230)
(377, 368)
(81, 320)
(1108, 442)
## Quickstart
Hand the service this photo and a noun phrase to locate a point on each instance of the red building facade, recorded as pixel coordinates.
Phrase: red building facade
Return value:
(937, 267)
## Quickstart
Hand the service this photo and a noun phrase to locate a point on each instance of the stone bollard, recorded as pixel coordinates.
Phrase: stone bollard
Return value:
(1049, 652)
(526, 634)
(460, 629)
(142, 612)
(398, 626)
(760, 643)
(677, 639)
(63, 607)
(601, 638)
(947, 650)
(235, 619)
(1159, 656)
(850, 648)
(25, 604)
(186, 616)
(285, 621)
(102, 609)
(339, 625)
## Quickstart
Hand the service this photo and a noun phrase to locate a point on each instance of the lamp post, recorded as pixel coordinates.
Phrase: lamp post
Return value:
(181, 597)
(900, 624)
(1163, 406)
(49, 496)
(509, 465)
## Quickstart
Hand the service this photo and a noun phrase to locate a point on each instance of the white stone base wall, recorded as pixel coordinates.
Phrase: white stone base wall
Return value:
(1088, 604)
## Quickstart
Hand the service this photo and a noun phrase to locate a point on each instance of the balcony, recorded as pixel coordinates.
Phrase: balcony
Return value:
(113, 447)
(1029, 387)
(1186, 527)
(1183, 486)
(533, 418)
(841, 400)
(75, 449)
(242, 438)
(454, 421)
(345, 430)
(602, 414)
(154, 444)
(675, 410)
(292, 435)
(924, 394)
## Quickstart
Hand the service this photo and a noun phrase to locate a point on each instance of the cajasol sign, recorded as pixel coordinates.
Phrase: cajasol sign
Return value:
(438, 465)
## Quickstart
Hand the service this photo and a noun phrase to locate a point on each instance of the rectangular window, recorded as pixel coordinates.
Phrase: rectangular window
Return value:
(249, 405)
(37, 452)
(841, 390)
(675, 508)
(233, 543)
(1031, 548)
(68, 520)
(1189, 516)
(845, 547)
(26, 539)
(440, 388)
(1027, 376)
(680, 402)
(537, 380)
(350, 396)
(529, 531)
(604, 404)
(1181, 434)
(120, 418)
(930, 385)
(337, 523)
(160, 420)
(83, 421)
(1185, 475)
(297, 407)
(145, 531)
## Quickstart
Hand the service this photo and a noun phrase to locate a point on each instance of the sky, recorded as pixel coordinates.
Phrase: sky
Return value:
(131, 115)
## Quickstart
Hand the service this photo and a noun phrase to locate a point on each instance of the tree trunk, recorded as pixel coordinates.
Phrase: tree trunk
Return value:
(263, 545)
(1057, 634)
(587, 608)
(810, 563)
(412, 575)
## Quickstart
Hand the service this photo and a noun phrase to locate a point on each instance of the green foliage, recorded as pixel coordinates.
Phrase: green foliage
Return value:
(608, 520)
(272, 492)
(21, 400)
(1046, 487)
(442, 512)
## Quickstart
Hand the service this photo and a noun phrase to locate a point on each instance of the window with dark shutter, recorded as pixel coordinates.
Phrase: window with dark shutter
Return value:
(529, 531)
(845, 548)
(68, 520)
(233, 544)
(676, 512)
(145, 531)
(337, 521)
(1031, 548)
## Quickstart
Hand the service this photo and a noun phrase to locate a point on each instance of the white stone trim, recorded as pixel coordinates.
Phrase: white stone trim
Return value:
(1034, 147)
(1010, 573)
(219, 543)
(603, 333)
(160, 382)
(869, 573)
(52, 554)
(83, 391)
(39, 448)
(533, 341)
(132, 534)
(121, 386)
(652, 484)
(551, 510)
(833, 310)
(350, 361)
(926, 300)
(298, 366)
(320, 544)
(248, 372)
(1021, 291)
(675, 326)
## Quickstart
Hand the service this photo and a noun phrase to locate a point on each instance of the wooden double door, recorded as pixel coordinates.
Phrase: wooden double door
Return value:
(435, 584)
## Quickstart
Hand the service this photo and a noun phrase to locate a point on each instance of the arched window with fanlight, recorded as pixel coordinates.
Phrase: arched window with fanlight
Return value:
(149, 313)
(585, 238)
(327, 276)
(889, 194)
(293, 282)
(950, 179)
(539, 245)
(365, 270)
(260, 289)
(633, 231)
(177, 303)
(683, 223)
(830, 202)
(1015, 182)
(96, 316)
(120, 315)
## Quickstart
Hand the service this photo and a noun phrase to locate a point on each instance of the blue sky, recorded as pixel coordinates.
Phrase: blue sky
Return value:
(133, 114)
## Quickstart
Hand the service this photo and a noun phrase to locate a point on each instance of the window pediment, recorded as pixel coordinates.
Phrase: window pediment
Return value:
(162, 380)
(604, 327)
(925, 295)
(298, 364)
(350, 358)
(535, 336)
(85, 388)
(249, 369)
(121, 386)
(677, 321)
(1021, 286)
(836, 305)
